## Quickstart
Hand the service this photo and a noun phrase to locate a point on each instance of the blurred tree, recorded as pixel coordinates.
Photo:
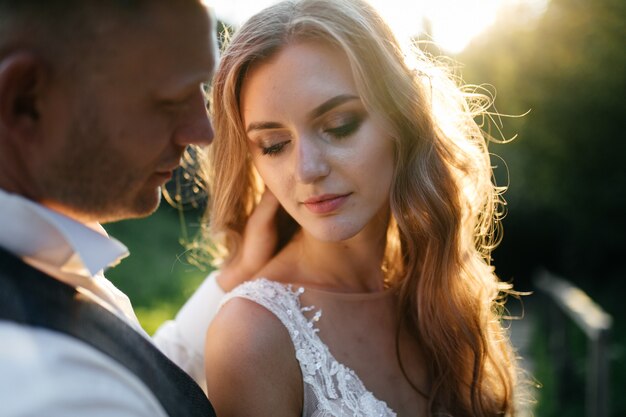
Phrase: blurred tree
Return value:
(567, 194)
(568, 177)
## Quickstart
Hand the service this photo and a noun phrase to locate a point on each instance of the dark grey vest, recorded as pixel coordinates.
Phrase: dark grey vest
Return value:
(32, 298)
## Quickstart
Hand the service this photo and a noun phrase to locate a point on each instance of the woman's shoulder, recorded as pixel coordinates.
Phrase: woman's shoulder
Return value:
(261, 311)
(281, 299)
(265, 289)
(241, 315)
(249, 350)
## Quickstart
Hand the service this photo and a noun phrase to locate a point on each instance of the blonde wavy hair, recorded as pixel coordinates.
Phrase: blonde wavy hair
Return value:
(444, 203)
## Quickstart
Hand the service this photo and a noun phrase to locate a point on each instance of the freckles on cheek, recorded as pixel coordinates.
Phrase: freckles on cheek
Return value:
(267, 180)
(275, 188)
(363, 168)
(347, 156)
(278, 185)
(276, 175)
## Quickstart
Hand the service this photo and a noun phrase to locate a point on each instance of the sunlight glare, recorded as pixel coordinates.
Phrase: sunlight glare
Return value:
(454, 23)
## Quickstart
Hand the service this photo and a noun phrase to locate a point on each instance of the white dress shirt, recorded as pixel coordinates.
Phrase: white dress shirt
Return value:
(43, 372)
(182, 339)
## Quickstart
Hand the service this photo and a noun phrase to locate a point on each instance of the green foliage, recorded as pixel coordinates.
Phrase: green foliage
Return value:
(157, 276)
(560, 353)
(544, 372)
(566, 167)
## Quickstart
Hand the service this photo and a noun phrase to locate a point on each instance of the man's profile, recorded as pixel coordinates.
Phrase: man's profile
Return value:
(98, 101)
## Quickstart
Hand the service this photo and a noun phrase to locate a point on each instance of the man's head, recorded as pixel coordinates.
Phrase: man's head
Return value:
(98, 100)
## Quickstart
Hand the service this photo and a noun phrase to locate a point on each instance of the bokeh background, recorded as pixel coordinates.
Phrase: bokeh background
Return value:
(558, 67)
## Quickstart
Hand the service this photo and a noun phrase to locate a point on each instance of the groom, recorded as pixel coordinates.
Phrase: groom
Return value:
(98, 101)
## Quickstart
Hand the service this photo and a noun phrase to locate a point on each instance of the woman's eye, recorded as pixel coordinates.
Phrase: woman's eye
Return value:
(274, 149)
(346, 128)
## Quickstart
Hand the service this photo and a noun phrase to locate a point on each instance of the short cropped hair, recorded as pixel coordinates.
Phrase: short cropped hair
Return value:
(70, 29)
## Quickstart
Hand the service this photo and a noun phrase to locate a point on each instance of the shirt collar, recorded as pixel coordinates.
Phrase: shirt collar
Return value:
(30, 230)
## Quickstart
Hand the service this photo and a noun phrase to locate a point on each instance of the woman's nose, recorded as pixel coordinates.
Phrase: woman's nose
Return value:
(311, 161)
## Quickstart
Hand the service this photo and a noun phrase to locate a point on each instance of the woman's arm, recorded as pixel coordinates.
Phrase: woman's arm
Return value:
(250, 363)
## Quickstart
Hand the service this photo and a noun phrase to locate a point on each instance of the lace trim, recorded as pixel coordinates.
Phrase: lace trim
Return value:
(338, 390)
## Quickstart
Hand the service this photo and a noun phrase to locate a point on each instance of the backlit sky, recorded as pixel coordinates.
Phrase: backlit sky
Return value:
(454, 22)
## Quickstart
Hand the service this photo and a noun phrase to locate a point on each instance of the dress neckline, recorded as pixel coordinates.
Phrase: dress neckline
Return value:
(313, 354)
(347, 296)
(344, 295)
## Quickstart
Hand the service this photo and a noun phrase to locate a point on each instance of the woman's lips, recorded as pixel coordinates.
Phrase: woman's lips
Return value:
(325, 204)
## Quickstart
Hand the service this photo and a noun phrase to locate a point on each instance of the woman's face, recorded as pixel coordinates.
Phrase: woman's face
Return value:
(327, 160)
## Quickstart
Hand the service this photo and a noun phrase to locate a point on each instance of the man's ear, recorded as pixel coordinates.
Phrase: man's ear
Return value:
(22, 77)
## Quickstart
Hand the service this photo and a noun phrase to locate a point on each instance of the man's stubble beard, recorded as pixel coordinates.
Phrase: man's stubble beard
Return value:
(92, 180)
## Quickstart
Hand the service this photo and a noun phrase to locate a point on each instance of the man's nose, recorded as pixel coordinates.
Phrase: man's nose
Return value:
(195, 127)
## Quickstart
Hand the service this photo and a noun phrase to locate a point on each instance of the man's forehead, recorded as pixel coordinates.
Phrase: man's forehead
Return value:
(167, 45)
(187, 54)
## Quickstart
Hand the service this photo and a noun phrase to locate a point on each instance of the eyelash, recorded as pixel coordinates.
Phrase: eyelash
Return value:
(340, 132)
(273, 150)
(346, 129)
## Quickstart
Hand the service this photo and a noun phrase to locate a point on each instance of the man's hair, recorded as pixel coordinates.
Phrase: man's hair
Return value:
(59, 28)
(70, 29)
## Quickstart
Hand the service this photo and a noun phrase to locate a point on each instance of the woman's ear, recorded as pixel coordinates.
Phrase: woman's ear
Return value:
(22, 77)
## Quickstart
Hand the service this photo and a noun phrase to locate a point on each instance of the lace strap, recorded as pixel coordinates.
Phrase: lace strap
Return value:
(337, 390)
(282, 301)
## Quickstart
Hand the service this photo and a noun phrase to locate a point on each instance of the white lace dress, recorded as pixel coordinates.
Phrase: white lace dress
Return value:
(330, 388)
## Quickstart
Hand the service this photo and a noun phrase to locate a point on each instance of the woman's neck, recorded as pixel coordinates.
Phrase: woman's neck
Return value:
(353, 265)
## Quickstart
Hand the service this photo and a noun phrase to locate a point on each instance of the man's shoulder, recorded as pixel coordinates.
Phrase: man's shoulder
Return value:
(31, 298)
(45, 370)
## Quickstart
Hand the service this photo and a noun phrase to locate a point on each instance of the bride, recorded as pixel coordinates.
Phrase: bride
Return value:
(382, 301)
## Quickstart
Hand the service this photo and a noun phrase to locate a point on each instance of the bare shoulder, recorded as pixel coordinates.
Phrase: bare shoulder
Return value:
(240, 320)
(250, 363)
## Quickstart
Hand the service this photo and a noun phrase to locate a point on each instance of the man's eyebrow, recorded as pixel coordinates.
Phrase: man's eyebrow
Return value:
(331, 104)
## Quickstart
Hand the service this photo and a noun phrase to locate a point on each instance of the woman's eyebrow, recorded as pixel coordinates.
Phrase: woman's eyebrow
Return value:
(315, 113)
(263, 125)
(331, 104)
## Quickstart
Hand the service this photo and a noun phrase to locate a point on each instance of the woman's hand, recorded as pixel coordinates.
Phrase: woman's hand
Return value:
(259, 244)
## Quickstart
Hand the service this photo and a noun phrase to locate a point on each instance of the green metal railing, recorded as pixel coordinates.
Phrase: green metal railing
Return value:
(596, 325)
